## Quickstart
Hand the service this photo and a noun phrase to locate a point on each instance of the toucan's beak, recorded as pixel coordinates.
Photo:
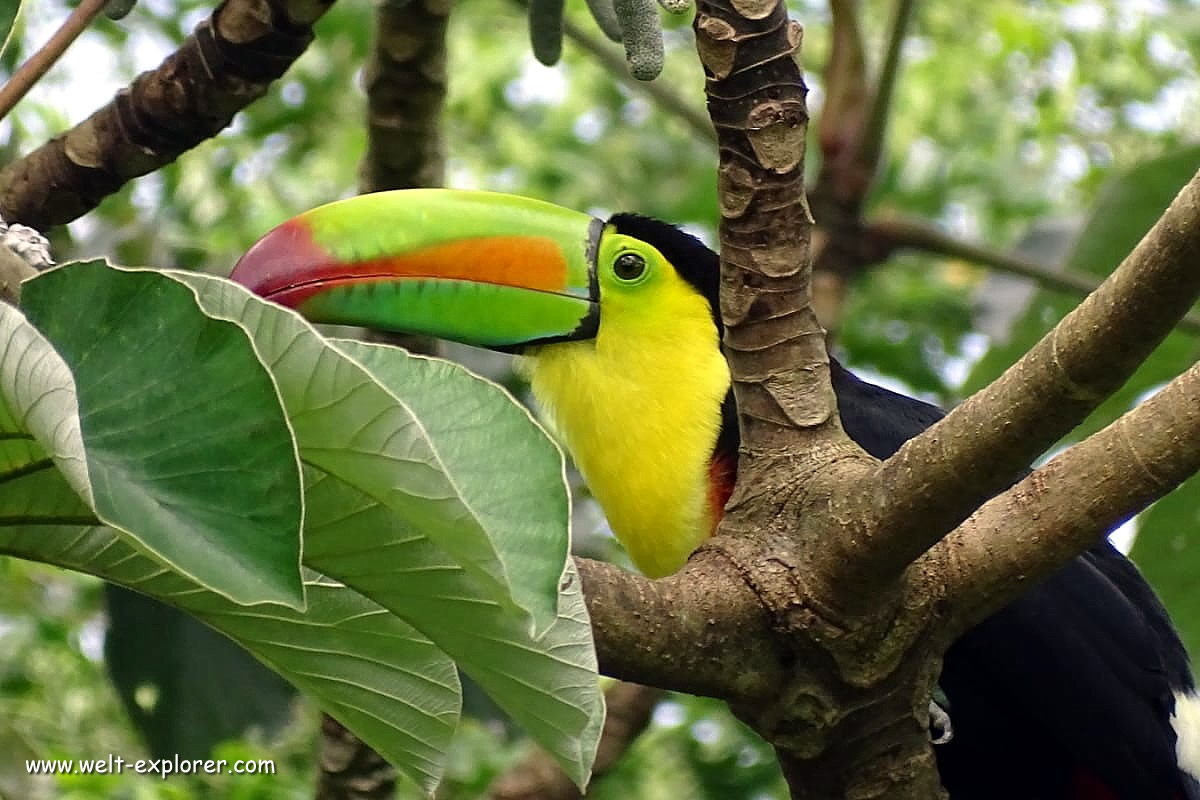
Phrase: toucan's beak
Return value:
(486, 269)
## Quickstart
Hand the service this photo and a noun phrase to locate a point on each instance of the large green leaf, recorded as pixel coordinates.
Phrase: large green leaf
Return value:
(427, 415)
(349, 425)
(546, 683)
(361, 663)
(43, 472)
(168, 401)
(387, 456)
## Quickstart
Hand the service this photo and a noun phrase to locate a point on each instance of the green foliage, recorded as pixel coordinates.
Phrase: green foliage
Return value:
(163, 431)
(383, 487)
(696, 749)
(9, 11)
(907, 320)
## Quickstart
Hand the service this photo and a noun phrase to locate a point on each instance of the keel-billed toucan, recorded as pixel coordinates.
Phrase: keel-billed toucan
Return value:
(1079, 689)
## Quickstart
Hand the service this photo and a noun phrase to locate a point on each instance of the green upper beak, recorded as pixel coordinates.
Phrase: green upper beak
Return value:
(487, 269)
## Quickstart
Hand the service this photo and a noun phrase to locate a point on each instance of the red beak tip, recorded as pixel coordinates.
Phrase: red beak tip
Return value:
(278, 258)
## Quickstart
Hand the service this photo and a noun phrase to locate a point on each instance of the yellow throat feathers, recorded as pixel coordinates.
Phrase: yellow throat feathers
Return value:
(639, 410)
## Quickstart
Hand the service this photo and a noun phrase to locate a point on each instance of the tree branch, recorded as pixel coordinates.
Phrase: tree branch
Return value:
(405, 82)
(700, 631)
(893, 234)
(630, 708)
(227, 63)
(40, 62)
(775, 347)
(1064, 507)
(937, 479)
(870, 147)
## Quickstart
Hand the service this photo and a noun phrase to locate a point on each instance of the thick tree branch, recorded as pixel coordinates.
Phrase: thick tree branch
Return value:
(405, 82)
(226, 64)
(629, 710)
(1025, 534)
(894, 233)
(937, 479)
(846, 718)
(700, 631)
(775, 346)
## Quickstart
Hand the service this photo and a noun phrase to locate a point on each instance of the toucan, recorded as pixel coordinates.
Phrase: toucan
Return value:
(1080, 689)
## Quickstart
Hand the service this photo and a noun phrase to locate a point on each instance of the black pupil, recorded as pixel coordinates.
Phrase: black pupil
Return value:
(629, 266)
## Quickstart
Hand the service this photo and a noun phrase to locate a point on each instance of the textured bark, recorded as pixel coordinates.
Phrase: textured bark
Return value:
(939, 478)
(12, 271)
(1025, 534)
(700, 631)
(405, 82)
(847, 717)
(629, 710)
(226, 64)
(349, 770)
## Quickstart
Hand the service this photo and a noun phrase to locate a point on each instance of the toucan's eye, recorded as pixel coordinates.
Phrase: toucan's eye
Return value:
(629, 266)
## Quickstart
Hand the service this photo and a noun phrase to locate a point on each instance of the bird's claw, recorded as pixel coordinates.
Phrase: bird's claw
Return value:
(941, 730)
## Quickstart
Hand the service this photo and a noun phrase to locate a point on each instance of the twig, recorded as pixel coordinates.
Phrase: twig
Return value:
(891, 234)
(614, 62)
(871, 144)
(37, 65)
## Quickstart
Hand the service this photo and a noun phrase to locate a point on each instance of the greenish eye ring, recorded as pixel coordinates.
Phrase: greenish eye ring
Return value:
(629, 266)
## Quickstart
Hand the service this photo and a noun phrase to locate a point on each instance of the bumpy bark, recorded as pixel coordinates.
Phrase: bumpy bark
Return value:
(227, 63)
(405, 82)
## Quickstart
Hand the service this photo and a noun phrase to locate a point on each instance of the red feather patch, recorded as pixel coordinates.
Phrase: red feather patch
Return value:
(722, 471)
